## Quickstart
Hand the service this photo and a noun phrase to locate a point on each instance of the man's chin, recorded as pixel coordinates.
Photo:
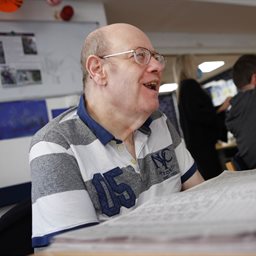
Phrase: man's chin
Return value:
(152, 109)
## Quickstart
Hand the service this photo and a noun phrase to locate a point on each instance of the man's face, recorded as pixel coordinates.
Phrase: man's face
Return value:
(132, 87)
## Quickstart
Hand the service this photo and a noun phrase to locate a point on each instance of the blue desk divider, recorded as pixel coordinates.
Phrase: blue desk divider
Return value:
(22, 118)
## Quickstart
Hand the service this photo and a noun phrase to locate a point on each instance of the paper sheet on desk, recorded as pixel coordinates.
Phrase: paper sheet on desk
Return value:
(225, 205)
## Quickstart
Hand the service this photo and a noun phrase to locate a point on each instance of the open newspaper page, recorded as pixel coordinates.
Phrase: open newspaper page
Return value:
(223, 209)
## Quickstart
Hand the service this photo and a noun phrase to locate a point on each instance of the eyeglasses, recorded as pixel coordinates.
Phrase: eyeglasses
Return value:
(141, 55)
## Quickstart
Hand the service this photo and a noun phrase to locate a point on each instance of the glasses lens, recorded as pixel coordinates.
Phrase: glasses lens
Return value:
(160, 58)
(142, 56)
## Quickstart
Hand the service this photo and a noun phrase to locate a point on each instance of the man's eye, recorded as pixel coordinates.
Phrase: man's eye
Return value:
(140, 55)
(157, 57)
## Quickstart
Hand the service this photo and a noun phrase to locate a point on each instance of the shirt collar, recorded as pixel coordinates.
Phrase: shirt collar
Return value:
(145, 127)
(101, 133)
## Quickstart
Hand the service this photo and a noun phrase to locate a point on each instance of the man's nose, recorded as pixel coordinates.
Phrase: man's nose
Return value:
(155, 66)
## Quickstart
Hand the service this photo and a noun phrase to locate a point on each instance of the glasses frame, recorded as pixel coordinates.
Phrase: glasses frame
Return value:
(133, 51)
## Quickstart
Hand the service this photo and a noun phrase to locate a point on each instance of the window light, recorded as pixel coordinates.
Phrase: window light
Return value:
(209, 66)
(168, 87)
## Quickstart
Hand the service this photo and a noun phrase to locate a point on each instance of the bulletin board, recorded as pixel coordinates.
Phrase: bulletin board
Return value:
(41, 59)
(22, 118)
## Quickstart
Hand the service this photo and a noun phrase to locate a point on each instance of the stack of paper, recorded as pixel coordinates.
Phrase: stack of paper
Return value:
(219, 214)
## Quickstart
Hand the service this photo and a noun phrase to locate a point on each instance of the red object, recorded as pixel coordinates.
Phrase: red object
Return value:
(10, 5)
(67, 13)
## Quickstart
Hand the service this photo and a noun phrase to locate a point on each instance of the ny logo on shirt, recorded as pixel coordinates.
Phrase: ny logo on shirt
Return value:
(165, 162)
(162, 158)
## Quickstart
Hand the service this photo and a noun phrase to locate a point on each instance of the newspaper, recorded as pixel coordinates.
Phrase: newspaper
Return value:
(223, 209)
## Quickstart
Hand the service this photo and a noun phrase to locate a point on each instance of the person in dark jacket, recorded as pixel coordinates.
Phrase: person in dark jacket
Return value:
(241, 118)
(198, 117)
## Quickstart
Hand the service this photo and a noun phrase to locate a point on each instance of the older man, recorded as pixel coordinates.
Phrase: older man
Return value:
(114, 151)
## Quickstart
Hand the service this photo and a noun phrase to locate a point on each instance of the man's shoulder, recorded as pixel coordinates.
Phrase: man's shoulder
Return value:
(62, 128)
(241, 100)
(56, 122)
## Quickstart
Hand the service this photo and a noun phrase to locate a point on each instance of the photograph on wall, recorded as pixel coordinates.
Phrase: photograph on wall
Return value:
(19, 61)
(28, 77)
(11, 78)
(8, 77)
(29, 44)
(22, 118)
(2, 57)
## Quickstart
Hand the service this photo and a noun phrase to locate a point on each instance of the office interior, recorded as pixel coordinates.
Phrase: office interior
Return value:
(184, 27)
(212, 30)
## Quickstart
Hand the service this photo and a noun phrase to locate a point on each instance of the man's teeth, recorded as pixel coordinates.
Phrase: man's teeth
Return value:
(151, 86)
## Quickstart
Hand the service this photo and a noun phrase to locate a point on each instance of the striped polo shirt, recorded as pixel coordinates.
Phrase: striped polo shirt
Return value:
(82, 175)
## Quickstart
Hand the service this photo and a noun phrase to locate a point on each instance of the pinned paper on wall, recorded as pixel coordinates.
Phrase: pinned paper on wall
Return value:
(34, 63)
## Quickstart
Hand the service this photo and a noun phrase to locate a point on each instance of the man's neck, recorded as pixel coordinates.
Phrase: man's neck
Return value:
(130, 145)
(120, 125)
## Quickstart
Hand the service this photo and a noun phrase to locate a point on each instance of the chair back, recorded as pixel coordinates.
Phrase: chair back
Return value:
(16, 230)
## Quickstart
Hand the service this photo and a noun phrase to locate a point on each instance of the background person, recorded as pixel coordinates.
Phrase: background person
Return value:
(198, 117)
(241, 118)
(114, 151)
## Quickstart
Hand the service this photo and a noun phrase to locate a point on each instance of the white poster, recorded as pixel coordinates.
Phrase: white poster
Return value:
(41, 59)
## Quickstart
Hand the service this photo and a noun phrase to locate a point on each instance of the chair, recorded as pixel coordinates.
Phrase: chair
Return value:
(230, 166)
(16, 230)
(236, 164)
(239, 163)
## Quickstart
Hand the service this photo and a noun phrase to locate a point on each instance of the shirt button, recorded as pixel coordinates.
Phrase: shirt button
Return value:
(120, 147)
(133, 161)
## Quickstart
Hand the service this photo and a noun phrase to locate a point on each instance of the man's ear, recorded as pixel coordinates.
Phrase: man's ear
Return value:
(96, 70)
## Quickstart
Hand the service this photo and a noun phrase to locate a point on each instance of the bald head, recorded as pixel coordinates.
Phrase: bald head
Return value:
(122, 32)
(109, 38)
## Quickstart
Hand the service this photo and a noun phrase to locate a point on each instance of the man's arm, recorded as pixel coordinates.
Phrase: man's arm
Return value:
(193, 181)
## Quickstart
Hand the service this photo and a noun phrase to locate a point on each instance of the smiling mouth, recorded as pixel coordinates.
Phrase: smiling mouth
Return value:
(151, 86)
